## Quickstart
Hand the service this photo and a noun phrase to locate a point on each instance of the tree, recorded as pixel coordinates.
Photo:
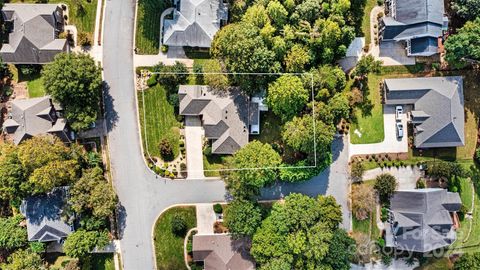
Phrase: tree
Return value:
(92, 193)
(217, 80)
(81, 242)
(171, 76)
(75, 81)
(468, 261)
(445, 169)
(367, 64)
(12, 173)
(258, 162)
(242, 49)
(24, 260)
(356, 171)
(297, 58)
(166, 150)
(179, 225)
(467, 9)
(12, 235)
(385, 185)
(277, 13)
(287, 96)
(463, 46)
(54, 174)
(325, 77)
(298, 234)
(299, 134)
(362, 201)
(242, 218)
(341, 251)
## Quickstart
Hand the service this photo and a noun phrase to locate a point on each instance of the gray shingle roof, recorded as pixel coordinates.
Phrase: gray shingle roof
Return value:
(195, 23)
(43, 214)
(417, 20)
(221, 252)
(225, 115)
(34, 37)
(438, 108)
(421, 219)
(33, 117)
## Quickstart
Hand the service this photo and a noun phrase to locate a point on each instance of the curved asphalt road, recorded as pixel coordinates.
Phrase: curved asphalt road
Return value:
(143, 196)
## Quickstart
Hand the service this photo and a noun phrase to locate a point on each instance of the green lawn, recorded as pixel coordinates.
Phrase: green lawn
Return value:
(466, 192)
(159, 116)
(212, 162)
(35, 87)
(270, 129)
(83, 18)
(369, 116)
(169, 247)
(147, 38)
(101, 262)
(369, 5)
(443, 263)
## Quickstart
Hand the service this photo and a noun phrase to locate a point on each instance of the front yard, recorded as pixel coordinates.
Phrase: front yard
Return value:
(147, 37)
(168, 246)
(157, 117)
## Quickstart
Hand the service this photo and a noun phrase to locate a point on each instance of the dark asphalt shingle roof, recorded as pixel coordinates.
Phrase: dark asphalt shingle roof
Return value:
(438, 103)
(44, 216)
(33, 37)
(225, 115)
(421, 219)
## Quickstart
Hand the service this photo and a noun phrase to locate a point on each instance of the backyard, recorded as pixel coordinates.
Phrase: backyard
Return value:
(369, 5)
(157, 117)
(82, 12)
(147, 37)
(168, 246)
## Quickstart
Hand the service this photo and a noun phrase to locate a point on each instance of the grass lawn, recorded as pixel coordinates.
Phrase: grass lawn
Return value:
(169, 247)
(83, 19)
(35, 87)
(159, 116)
(369, 5)
(147, 37)
(270, 129)
(369, 225)
(212, 162)
(466, 192)
(436, 264)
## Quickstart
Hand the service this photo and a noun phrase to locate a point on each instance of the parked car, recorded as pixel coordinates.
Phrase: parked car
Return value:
(398, 113)
(399, 130)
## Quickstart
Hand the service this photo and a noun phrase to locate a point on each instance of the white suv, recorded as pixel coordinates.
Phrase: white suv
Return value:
(398, 113)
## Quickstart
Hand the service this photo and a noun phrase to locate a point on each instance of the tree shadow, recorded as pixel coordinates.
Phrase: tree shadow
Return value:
(121, 220)
(111, 116)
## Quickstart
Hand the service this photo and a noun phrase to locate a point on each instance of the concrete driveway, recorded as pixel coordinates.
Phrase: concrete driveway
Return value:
(194, 134)
(390, 144)
(407, 176)
(205, 218)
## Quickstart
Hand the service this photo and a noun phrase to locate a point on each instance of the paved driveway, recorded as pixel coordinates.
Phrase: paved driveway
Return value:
(390, 144)
(194, 143)
(205, 218)
(407, 177)
(333, 181)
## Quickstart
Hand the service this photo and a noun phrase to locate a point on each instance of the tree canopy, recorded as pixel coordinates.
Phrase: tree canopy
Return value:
(287, 96)
(385, 185)
(255, 168)
(81, 242)
(467, 9)
(75, 81)
(299, 234)
(463, 46)
(242, 217)
(12, 235)
(468, 261)
(24, 260)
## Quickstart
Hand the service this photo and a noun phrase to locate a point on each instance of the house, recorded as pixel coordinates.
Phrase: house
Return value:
(228, 118)
(422, 220)
(44, 216)
(36, 116)
(419, 24)
(436, 108)
(221, 252)
(33, 33)
(194, 22)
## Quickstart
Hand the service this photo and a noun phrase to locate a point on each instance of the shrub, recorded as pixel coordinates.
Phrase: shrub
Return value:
(380, 2)
(179, 225)
(380, 15)
(384, 214)
(381, 242)
(463, 211)
(207, 151)
(164, 48)
(152, 81)
(385, 185)
(84, 39)
(357, 170)
(421, 183)
(477, 155)
(435, 66)
(29, 69)
(166, 149)
(217, 208)
(174, 100)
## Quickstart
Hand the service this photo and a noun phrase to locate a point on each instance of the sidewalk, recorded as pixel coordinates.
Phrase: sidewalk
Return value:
(174, 54)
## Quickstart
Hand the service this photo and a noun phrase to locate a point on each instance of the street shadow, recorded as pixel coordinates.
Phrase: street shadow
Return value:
(111, 116)
(316, 186)
(121, 220)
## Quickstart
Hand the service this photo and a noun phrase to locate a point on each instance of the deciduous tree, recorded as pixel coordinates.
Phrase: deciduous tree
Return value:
(242, 217)
(12, 235)
(24, 260)
(385, 185)
(81, 242)
(463, 47)
(367, 64)
(299, 134)
(287, 96)
(297, 59)
(75, 81)
(362, 201)
(467, 9)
